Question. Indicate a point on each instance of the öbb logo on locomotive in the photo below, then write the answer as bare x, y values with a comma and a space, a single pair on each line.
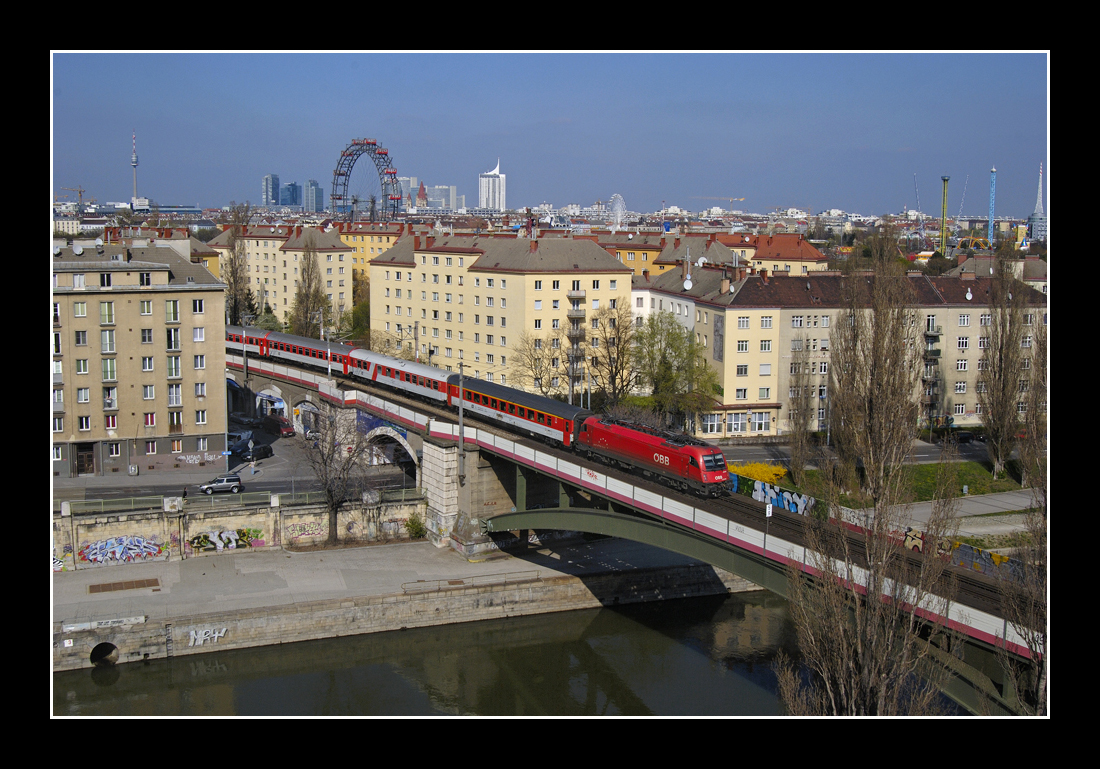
677, 459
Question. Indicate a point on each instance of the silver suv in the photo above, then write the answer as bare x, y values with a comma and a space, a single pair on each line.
223, 483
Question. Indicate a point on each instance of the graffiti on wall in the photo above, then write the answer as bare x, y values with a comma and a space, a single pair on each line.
199, 637
123, 550
309, 529
788, 500
229, 539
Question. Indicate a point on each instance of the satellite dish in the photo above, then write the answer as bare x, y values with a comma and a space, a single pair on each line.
57, 250
78, 250
969, 295
630, 236
688, 284
701, 262
99, 241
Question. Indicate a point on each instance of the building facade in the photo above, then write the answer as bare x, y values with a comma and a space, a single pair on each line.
138, 362
491, 190
269, 191
490, 302
313, 197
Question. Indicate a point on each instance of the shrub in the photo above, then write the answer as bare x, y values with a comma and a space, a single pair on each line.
760, 471
415, 526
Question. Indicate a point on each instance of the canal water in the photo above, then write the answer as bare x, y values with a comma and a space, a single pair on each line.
690, 657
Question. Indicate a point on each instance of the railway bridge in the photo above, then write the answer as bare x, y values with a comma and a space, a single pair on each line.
489, 485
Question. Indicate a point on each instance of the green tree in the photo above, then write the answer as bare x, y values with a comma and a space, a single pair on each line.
672, 364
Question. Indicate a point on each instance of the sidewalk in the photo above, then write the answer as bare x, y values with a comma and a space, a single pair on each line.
974, 513
243, 579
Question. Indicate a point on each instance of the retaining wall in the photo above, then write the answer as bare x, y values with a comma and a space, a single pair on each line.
137, 639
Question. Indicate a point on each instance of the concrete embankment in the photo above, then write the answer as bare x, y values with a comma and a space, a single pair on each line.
240, 600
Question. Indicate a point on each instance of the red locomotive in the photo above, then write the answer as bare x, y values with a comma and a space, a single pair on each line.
678, 459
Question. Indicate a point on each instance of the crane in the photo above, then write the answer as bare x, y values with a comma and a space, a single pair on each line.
80, 195
704, 197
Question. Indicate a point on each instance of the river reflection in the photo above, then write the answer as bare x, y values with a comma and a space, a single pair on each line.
702, 656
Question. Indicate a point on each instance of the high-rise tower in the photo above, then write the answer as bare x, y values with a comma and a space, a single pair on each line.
491, 189
269, 191
134, 163
1037, 222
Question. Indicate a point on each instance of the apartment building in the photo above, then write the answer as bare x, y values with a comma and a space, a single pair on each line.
758, 328
367, 240
274, 255
471, 299
138, 362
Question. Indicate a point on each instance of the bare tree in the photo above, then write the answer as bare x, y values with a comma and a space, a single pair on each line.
310, 297
613, 354
1000, 365
337, 459
235, 271
865, 650
802, 407
1024, 593
874, 371
535, 363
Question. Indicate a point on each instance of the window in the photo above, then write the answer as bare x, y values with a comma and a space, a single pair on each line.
766, 321
960, 409
538, 285
198, 334
200, 417
742, 393
150, 448
109, 370
114, 449
150, 419
80, 309
742, 322
78, 280
83, 394
712, 423
960, 365
765, 345
106, 313
148, 392
595, 285
84, 423
960, 387
538, 304
200, 361
173, 366
59, 424
742, 345
983, 342
743, 369
145, 278
104, 280
735, 423
175, 395
173, 339
964, 320
964, 342
82, 366
986, 319
761, 421
147, 336
765, 393
172, 311
146, 306
200, 389
796, 321
80, 339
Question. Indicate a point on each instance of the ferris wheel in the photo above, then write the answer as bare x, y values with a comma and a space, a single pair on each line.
372, 186
618, 211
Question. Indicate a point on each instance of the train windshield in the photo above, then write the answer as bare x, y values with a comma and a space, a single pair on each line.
713, 462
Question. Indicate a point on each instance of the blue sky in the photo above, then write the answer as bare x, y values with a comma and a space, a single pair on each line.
814, 131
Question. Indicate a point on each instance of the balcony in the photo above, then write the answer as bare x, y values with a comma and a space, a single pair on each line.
574, 314
575, 332
933, 330
932, 354
576, 293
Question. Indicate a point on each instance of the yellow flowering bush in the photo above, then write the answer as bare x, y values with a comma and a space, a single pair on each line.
759, 471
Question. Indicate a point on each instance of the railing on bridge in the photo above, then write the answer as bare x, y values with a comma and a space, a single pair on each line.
221, 501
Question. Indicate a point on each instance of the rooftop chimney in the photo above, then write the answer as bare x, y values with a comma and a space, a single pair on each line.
534, 245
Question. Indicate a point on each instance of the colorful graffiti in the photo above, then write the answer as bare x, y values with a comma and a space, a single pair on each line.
123, 549
310, 529
228, 539
788, 500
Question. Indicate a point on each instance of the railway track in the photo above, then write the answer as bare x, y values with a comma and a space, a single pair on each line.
960, 584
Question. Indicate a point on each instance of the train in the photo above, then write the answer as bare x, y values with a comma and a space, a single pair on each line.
679, 460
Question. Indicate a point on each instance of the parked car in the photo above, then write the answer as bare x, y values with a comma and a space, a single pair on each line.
312, 435
278, 426
260, 451
964, 437
230, 482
